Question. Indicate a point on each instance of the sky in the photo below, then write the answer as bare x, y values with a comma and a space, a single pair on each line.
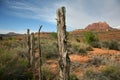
19, 15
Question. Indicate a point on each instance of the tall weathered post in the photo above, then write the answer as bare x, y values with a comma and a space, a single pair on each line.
28, 46
32, 55
39, 48
64, 60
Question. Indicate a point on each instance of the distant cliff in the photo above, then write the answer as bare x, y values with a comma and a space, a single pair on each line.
99, 26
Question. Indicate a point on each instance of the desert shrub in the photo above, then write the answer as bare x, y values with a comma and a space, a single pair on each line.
28, 75
105, 44
89, 75
1, 38
49, 51
107, 73
96, 61
93, 75
113, 44
89, 48
51, 55
78, 40
89, 37
12, 66
80, 48
73, 77
73, 48
83, 48
82, 51
111, 72
54, 35
10, 38
119, 45
95, 44
48, 75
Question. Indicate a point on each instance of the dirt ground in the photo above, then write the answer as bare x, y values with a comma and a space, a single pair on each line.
79, 59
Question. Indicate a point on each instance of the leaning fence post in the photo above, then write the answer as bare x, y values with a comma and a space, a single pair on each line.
39, 48
64, 60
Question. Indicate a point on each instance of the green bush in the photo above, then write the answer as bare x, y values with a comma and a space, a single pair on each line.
73, 77
89, 37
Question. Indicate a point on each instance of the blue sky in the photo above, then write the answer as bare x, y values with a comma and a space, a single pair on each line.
18, 15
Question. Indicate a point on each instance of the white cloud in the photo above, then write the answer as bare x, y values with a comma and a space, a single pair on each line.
80, 13
5, 31
118, 27
29, 10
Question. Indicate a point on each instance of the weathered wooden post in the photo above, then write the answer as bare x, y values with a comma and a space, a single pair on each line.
39, 48
32, 55
64, 60
28, 46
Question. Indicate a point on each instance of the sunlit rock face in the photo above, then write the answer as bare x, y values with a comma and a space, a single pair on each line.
98, 26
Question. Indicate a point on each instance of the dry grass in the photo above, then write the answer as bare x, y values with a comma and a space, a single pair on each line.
13, 59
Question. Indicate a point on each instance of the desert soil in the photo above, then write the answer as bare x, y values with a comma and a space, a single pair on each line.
52, 65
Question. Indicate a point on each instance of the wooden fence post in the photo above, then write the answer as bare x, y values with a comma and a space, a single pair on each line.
64, 60
39, 48
33, 55
28, 46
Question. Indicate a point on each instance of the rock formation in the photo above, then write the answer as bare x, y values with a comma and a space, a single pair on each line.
99, 26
